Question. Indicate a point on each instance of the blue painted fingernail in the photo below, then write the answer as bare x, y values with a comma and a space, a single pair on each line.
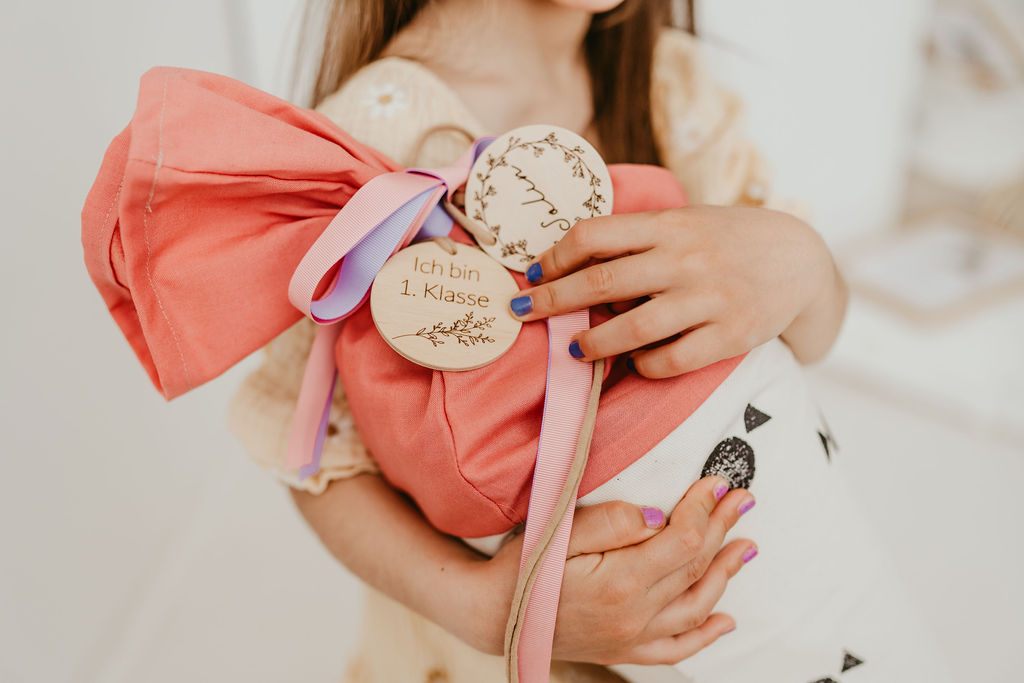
575, 351
631, 364
534, 273
521, 305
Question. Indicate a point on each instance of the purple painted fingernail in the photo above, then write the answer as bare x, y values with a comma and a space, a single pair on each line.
750, 554
574, 349
746, 505
534, 273
653, 517
728, 630
721, 490
521, 305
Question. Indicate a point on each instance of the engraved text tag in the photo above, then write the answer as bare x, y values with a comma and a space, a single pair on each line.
445, 311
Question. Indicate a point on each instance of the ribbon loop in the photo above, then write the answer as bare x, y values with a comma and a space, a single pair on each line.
379, 219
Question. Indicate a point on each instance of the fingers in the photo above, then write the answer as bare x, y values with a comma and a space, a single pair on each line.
694, 605
676, 648
651, 322
725, 515
684, 537
608, 526
603, 237
694, 350
659, 591
620, 279
617, 307
686, 625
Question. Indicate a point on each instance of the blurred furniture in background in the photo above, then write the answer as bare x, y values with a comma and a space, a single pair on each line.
938, 314
968, 150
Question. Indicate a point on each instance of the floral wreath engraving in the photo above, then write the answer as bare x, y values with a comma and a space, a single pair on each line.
570, 155
467, 331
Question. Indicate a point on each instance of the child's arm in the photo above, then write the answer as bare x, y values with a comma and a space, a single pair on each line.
380, 537
813, 332
726, 278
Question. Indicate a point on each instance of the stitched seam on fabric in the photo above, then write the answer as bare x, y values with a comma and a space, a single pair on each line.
145, 232
240, 174
444, 410
117, 195
106, 217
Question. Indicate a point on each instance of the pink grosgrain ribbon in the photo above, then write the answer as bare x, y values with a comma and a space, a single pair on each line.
381, 218
565, 405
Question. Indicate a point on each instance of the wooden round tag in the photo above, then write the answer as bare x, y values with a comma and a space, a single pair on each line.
445, 311
531, 185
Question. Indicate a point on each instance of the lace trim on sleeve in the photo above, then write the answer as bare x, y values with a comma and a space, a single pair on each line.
260, 416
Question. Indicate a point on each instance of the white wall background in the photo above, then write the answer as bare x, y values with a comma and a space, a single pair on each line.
139, 544
831, 89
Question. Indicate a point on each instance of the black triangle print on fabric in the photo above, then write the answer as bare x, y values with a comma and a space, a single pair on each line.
828, 442
733, 459
754, 418
850, 661
825, 444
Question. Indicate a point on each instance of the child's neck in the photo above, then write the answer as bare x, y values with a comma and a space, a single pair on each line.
513, 62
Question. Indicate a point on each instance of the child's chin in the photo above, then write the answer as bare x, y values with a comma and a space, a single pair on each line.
595, 6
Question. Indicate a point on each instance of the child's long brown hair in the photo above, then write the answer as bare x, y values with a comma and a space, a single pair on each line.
619, 48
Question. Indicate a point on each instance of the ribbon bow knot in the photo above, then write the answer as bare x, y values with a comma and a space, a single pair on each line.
382, 217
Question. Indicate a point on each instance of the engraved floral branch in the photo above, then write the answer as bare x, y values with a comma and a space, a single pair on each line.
570, 155
467, 331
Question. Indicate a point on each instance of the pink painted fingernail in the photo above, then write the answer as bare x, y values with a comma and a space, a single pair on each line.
721, 490
750, 554
747, 504
729, 630
653, 517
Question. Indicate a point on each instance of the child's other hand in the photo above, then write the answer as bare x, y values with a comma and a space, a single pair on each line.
725, 279
635, 590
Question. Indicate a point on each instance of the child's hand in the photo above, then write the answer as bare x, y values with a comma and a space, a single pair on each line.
726, 278
634, 590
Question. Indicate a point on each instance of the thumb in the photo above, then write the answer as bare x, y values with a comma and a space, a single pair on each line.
612, 525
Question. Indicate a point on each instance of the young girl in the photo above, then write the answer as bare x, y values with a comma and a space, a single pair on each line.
821, 605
